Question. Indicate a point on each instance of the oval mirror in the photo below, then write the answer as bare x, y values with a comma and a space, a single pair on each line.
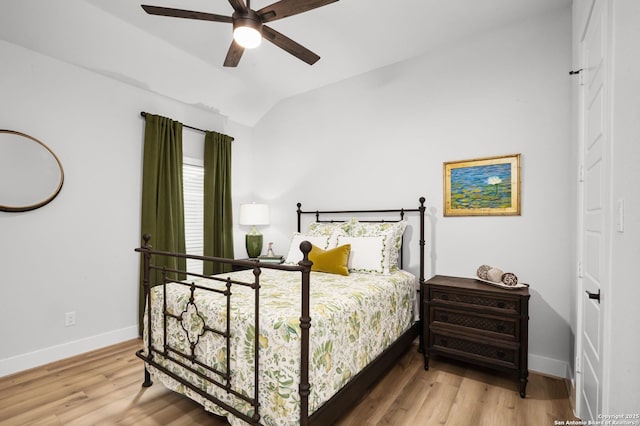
30, 173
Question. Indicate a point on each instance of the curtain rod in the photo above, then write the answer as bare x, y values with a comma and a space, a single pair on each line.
144, 114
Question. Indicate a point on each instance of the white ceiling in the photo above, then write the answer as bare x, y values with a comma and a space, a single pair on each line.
182, 58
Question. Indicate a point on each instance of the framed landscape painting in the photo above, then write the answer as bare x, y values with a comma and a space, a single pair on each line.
482, 187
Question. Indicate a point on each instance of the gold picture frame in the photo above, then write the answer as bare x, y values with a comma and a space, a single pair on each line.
482, 187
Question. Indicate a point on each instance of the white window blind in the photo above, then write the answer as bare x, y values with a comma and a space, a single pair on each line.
193, 183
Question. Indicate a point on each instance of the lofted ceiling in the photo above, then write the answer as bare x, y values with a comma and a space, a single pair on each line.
182, 58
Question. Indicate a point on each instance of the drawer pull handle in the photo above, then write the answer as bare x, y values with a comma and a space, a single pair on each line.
445, 297
501, 305
500, 327
500, 354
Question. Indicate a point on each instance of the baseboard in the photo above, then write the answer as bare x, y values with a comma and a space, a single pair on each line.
55, 353
549, 366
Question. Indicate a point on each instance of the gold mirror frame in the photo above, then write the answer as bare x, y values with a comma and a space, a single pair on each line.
7, 208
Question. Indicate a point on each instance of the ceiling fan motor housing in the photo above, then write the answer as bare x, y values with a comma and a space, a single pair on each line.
248, 18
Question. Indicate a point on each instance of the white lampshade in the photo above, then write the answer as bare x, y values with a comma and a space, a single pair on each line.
254, 214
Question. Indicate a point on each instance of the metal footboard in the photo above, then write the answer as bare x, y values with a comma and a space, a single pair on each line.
195, 327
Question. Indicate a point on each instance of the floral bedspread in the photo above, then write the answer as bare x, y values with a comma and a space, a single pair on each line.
353, 319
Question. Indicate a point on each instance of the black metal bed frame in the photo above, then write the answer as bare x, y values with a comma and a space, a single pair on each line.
330, 411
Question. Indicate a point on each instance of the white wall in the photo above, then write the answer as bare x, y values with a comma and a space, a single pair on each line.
76, 253
379, 140
372, 141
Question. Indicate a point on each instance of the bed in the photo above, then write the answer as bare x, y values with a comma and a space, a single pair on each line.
292, 343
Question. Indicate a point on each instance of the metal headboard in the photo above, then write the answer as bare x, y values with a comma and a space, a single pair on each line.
401, 212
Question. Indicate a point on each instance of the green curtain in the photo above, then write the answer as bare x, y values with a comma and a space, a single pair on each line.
162, 199
218, 212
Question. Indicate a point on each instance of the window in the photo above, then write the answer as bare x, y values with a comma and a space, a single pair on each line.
193, 181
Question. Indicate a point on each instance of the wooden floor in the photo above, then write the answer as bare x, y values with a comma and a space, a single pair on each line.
103, 388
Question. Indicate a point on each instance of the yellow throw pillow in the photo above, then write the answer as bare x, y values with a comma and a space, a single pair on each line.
333, 261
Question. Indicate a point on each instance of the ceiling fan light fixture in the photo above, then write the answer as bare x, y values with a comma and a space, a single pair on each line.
247, 29
247, 37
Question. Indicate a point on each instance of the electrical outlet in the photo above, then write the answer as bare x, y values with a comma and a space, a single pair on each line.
70, 318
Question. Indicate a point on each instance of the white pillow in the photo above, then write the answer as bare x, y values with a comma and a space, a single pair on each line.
367, 254
333, 229
392, 233
295, 255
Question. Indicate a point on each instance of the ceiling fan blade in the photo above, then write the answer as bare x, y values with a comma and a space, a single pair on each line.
233, 55
188, 14
285, 8
289, 45
238, 5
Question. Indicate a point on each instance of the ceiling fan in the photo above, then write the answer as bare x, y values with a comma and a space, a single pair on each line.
249, 28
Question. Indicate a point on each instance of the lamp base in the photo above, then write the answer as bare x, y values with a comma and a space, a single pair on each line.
253, 243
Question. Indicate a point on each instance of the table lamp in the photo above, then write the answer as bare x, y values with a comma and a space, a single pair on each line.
254, 215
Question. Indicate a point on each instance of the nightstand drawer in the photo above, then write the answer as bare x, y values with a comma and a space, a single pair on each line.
487, 352
506, 305
494, 326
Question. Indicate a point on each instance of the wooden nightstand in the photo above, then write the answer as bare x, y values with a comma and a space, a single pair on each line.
235, 268
475, 322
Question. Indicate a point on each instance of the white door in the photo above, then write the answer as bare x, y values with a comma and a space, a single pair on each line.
595, 232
